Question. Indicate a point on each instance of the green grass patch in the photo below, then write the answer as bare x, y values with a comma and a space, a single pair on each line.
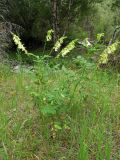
59, 113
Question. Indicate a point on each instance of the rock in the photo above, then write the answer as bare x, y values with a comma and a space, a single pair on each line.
24, 68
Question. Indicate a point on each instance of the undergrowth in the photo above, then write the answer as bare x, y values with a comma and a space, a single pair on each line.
59, 113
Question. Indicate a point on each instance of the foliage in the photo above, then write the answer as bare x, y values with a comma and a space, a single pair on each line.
36, 16
100, 36
52, 109
33, 16
80, 61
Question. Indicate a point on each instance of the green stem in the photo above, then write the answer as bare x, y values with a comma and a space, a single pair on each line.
44, 47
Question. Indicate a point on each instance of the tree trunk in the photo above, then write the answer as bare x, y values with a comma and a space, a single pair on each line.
116, 31
55, 19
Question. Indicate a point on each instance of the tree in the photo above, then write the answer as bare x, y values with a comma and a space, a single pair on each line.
65, 12
37, 16
116, 3
55, 19
32, 15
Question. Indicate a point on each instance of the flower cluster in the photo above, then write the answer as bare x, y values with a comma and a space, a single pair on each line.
68, 48
109, 50
59, 43
19, 44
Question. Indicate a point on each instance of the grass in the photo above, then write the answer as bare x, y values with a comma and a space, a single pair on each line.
64, 113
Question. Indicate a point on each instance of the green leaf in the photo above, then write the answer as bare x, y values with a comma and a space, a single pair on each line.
48, 110
58, 127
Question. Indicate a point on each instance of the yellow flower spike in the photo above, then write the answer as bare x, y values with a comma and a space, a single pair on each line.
19, 44
49, 35
109, 50
59, 43
68, 48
